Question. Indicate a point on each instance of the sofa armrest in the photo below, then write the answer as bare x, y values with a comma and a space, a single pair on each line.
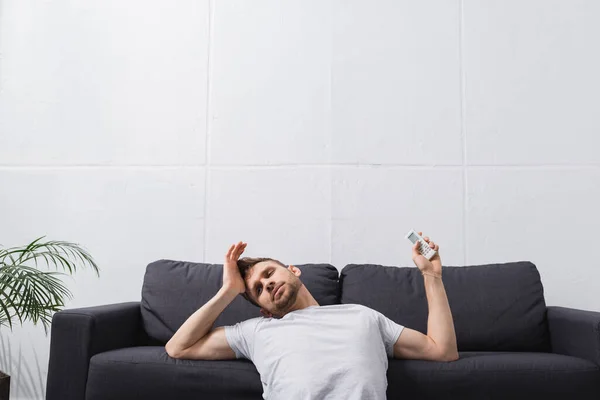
575, 332
78, 334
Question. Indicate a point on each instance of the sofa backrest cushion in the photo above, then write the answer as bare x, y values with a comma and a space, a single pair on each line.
173, 290
496, 307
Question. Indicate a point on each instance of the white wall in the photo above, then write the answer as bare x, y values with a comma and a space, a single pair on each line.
315, 130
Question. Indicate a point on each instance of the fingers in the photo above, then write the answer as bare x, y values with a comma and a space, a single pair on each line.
235, 251
230, 251
430, 242
240, 250
415, 249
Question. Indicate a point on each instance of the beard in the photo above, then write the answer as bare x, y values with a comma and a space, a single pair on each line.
288, 297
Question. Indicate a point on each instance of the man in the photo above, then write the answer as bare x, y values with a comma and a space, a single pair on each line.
306, 351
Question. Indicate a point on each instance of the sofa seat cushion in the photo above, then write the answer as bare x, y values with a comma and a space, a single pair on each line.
495, 375
149, 373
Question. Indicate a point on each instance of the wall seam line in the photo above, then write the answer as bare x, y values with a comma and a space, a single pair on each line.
463, 131
207, 141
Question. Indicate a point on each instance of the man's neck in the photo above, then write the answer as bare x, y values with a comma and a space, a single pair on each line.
304, 300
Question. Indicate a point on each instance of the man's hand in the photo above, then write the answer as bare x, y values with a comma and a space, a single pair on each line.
232, 280
435, 264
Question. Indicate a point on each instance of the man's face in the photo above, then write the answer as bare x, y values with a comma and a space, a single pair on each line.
273, 287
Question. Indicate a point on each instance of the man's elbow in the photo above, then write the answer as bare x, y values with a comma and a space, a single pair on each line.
449, 356
173, 351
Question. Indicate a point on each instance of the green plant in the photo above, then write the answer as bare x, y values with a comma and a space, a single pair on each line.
29, 293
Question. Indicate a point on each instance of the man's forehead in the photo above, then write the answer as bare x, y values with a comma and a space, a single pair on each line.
258, 268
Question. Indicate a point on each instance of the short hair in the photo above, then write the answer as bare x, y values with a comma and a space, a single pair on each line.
244, 264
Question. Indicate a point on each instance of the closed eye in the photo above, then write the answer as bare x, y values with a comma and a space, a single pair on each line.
259, 290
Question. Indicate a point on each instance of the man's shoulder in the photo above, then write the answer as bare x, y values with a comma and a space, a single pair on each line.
250, 322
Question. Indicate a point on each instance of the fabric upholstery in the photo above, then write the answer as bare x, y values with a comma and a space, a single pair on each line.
105, 352
498, 307
575, 332
80, 333
173, 290
148, 373
495, 375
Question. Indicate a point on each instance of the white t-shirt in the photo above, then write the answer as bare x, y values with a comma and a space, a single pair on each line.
320, 352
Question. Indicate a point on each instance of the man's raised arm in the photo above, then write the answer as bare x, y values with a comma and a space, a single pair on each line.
440, 342
194, 339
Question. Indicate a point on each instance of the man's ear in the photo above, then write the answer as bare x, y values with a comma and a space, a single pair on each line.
295, 270
265, 313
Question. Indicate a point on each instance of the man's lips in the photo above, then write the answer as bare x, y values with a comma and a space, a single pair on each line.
276, 289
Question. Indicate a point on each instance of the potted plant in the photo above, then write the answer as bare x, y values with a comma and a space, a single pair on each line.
28, 293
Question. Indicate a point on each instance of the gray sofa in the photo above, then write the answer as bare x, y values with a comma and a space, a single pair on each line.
511, 345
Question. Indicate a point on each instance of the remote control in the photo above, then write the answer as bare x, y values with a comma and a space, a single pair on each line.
424, 248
